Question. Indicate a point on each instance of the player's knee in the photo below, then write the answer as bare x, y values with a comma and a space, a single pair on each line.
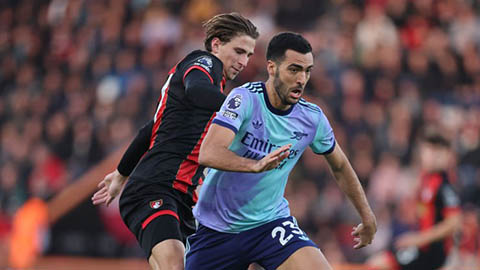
168, 254
166, 263
153, 263
171, 265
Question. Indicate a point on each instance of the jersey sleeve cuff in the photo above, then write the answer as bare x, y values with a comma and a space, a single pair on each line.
225, 124
123, 171
449, 211
329, 150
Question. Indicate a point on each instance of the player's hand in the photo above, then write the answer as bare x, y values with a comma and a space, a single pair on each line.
410, 239
272, 160
363, 234
110, 187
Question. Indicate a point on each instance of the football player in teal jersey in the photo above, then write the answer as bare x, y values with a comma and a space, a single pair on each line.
254, 142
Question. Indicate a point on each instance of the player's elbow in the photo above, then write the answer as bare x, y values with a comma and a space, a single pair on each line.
340, 167
450, 225
202, 160
205, 156
456, 222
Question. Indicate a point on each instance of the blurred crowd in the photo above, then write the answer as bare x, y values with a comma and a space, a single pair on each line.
79, 77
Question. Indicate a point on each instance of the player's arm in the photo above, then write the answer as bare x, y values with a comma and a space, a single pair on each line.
350, 185
201, 91
445, 228
214, 153
136, 150
441, 230
113, 182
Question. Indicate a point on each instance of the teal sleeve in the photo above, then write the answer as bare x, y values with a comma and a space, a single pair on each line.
324, 141
234, 109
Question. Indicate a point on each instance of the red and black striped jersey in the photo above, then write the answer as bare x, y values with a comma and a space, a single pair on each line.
180, 124
437, 200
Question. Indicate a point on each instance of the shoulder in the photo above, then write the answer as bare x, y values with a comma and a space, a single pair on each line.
244, 94
202, 59
313, 113
309, 107
248, 89
253, 87
449, 195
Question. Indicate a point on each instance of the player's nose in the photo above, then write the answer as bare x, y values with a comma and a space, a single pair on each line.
243, 61
302, 78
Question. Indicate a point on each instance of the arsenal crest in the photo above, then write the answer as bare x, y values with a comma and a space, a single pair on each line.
156, 204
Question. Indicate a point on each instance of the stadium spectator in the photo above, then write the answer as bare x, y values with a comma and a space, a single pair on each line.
427, 240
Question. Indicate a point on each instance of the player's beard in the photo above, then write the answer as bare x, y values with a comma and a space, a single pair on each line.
281, 89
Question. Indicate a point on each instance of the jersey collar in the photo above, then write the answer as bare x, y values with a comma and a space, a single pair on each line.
270, 106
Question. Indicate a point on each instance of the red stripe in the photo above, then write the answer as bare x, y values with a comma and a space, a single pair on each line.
159, 213
449, 211
431, 183
190, 165
222, 84
199, 68
159, 115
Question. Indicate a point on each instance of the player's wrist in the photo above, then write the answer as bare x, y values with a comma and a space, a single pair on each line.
119, 177
255, 166
368, 218
370, 223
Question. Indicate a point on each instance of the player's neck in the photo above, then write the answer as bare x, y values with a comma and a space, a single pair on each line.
274, 97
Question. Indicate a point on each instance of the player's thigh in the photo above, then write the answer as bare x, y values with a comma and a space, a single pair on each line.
161, 229
270, 245
306, 258
168, 254
208, 249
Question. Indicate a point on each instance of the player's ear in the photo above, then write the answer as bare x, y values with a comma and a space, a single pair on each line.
271, 68
216, 42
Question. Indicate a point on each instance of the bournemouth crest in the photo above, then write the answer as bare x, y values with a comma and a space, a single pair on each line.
156, 204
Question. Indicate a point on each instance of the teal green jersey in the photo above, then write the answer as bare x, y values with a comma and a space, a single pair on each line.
235, 202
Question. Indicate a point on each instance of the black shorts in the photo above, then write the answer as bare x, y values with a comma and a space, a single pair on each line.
425, 259
154, 217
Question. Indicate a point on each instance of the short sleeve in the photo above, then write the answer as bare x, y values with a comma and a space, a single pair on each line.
234, 109
449, 198
324, 141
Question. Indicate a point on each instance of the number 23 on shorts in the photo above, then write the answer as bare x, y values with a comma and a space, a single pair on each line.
287, 231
